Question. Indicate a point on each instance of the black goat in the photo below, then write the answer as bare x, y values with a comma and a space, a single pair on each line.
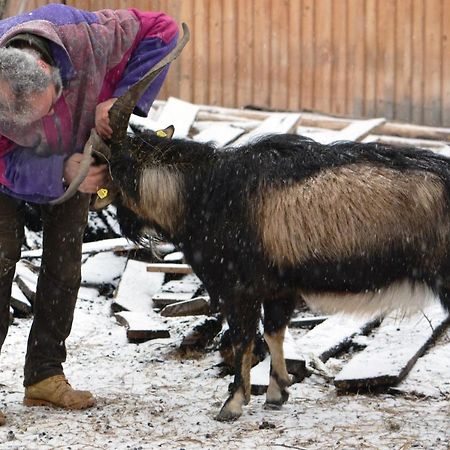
346, 226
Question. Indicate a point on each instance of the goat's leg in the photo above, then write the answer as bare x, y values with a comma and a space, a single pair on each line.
277, 313
243, 323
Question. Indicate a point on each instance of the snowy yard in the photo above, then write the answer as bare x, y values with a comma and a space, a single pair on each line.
150, 395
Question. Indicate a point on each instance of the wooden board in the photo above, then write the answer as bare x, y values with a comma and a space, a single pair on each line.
26, 279
141, 327
394, 350
193, 307
306, 322
102, 268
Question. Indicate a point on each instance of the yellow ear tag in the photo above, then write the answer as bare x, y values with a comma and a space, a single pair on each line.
161, 133
102, 193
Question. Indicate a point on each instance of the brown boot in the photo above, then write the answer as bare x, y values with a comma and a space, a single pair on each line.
2, 419
56, 391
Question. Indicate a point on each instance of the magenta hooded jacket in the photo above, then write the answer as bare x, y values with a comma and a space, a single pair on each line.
99, 54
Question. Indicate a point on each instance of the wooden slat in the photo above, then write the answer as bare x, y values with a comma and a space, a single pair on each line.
229, 45
192, 307
371, 52
307, 54
215, 60
339, 63
396, 346
418, 80
403, 61
141, 328
244, 69
433, 62
169, 268
295, 56
322, 45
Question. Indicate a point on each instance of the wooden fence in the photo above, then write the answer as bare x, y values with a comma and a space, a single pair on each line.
357, 58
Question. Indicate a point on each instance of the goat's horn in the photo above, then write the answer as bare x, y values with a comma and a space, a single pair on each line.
120, 112
82, 173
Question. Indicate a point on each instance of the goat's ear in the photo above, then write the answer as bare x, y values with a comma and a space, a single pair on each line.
166, 132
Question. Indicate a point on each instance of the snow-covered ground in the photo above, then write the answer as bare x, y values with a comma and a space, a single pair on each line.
152, 396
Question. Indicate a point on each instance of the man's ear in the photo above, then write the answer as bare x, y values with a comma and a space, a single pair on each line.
166, 132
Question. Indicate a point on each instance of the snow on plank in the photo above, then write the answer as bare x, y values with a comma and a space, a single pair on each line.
180, 114
136, 288
322, 342
356, 131
306, 322
219, 134
397, 345
276, 123
176, 291
102, 268
26, 279
105, 245
19, 302
434, 366
140, 327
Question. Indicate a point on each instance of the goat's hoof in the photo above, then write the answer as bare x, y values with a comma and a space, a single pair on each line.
277, 403
273, 406
226, 415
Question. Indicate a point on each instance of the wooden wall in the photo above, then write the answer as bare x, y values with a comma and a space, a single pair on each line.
358, 58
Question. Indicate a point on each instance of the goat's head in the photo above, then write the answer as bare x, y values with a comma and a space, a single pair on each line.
119, 115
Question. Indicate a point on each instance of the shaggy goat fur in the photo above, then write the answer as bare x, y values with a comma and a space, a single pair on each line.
345, 226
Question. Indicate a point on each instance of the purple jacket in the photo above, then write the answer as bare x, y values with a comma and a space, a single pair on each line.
100, 54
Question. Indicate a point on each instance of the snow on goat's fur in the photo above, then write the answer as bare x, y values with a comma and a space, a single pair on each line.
345, 226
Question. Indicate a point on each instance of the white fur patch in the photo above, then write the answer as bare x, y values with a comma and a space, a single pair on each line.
403, 296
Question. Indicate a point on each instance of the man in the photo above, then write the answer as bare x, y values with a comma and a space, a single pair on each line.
60, 71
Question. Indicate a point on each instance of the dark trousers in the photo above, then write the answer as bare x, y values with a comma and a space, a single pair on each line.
58, 282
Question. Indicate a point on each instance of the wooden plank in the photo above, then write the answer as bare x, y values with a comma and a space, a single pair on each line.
372, 54
323, 341
306, 322
141, 328
219, 134
215, 59
433, 62
194, 307
397, 345
339, 54
136, 288
356, 58
276, 123
308, 54
358, 130
229, 43
418, 80
169, 268
180, 114
403, 61
162, 299
294, 55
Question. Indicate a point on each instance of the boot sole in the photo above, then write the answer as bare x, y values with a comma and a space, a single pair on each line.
40, 402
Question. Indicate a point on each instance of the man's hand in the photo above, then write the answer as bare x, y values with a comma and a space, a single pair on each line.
96, 178
102, 119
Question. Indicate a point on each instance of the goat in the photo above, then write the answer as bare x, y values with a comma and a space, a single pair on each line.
345, 226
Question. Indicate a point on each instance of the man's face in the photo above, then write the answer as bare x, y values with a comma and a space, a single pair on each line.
42, 103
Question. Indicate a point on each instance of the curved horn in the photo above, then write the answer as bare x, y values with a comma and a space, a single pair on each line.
82, 173
120, 112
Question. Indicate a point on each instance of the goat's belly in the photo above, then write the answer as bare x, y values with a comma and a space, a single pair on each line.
403, 296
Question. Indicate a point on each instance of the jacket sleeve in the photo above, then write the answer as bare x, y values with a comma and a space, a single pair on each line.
27, 176
159, 38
